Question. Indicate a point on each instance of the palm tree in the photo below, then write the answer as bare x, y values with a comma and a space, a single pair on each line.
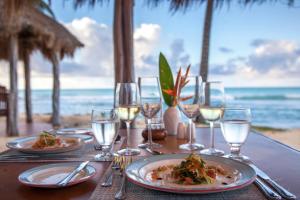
176, 5
183, 5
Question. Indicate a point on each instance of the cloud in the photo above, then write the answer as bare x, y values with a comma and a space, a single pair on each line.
273, 58
93, 64
178, 57
96, 57
146, 37
225, 50
275, 55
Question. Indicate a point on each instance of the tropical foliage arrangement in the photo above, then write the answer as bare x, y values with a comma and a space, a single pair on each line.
170, 90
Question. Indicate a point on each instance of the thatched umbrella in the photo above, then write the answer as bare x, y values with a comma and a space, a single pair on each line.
24, 29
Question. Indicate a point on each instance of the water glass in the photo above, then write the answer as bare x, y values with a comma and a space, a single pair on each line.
105, 125
235, 125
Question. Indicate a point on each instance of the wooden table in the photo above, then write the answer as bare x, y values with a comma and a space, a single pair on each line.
281, 162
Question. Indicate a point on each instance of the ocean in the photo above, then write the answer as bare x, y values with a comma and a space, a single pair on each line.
272, 107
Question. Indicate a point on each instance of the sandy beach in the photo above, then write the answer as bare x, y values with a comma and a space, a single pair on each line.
290, 137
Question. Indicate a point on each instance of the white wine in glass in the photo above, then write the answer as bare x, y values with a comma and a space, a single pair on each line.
128, 113
150, 104
188, 102
127, 103
212, 102
211, 114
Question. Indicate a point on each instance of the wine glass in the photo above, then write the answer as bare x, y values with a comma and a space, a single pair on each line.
235, 125
127, 103
212, 103
188, 103
150, 104
105, 125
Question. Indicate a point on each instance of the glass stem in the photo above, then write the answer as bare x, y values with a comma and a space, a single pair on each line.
190, 131
128, 135
212, 135
235, 150
149, 133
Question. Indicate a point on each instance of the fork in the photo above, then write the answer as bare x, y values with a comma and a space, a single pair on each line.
115, 165
121, 193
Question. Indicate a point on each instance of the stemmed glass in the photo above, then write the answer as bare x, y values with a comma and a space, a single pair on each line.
235, 125
127, 103
150, 104
212, 102
188, 103
105, 125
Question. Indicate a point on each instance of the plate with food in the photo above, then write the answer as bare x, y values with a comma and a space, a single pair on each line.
190, 173
46, 143
47, 176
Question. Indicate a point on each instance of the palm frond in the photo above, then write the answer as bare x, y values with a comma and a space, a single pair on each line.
43, 7
176, 5
184, 5
91, 3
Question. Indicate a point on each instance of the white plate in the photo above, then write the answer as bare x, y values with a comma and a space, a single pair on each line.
84, 137
241, 175
47, 176
25, 145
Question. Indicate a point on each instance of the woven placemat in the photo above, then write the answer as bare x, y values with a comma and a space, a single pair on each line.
135, 192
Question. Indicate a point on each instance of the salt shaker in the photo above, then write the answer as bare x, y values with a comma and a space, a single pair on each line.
181, 130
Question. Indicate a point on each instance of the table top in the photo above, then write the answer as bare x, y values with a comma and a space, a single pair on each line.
280, 162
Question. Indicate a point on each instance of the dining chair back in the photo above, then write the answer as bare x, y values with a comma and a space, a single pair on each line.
4, 103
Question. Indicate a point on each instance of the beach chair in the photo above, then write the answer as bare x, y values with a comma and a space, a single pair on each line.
4, 104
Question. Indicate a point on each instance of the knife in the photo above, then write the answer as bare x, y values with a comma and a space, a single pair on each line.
67, 179
153, 152
282, 191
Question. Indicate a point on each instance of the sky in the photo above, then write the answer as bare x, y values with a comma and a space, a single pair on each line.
254, 46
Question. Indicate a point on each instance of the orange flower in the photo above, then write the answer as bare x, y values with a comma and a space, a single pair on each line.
181, 81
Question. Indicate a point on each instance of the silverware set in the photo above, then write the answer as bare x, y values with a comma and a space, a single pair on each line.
121, 193
68, 178
279, 192
108, 177
119, 163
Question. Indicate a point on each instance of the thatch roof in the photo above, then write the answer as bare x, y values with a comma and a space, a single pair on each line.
35, 30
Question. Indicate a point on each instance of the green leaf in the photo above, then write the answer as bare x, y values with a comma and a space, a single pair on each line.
165, 78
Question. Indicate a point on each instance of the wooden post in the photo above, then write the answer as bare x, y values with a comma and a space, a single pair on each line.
127, 27
204, 69
27, 69
13, 93
118, 42
123, 41
206, 40
56, 91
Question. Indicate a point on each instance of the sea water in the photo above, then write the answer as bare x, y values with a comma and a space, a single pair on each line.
274, 107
